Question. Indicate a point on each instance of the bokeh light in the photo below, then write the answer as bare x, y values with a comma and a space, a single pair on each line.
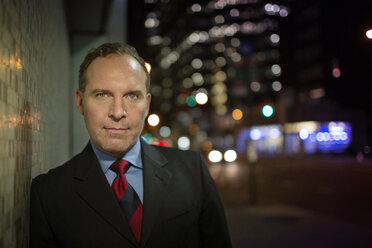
151, 23
196, 63
220, 61
194, 129
369, 34
235, 42
187, 83
201, 98
165, 131
267, 111
237, 114
304, 134
197, 78
153, 120
336, 72
234, 12
276, 85
215, 156
196, 7
148, 67
274, 38
230, 156
190, 101
275, 133
255, 86
220, 76
220, 47
183, 143
219, 19
221, 109
276, 69
255, 134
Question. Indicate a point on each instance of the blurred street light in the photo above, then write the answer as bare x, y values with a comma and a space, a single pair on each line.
237, 114
153, 120
267, 111
215, 156
230, 156
369, 34
304, 134
274, 38
196, 7
190, 101
148, 67
255, 86
276, 70
183, 143
277, 86
201, 98
165, 131
151, 23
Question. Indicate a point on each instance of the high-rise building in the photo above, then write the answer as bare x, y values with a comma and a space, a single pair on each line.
225, 50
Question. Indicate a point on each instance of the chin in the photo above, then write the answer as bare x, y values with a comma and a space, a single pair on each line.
115, 152
117, 148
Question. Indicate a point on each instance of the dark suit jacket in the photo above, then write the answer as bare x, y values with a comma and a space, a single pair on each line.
74, 206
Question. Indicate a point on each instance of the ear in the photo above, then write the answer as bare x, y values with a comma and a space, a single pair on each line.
148, 103
79, 101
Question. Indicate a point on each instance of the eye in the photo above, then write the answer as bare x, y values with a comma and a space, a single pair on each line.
101, 94
132, 96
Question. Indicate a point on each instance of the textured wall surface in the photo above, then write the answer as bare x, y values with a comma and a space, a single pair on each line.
34, 105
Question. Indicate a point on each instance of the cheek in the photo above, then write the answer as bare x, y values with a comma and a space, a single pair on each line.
138, 112
93, 116
142, 113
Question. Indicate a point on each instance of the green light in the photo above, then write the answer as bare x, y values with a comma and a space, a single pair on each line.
267, 111
148, 137
190, 101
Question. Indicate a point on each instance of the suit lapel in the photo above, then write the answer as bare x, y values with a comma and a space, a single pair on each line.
155, 179
93, 188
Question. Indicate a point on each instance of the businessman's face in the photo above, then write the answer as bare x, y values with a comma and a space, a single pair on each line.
115, 103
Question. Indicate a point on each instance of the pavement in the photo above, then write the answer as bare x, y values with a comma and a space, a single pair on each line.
262, 222
278, 225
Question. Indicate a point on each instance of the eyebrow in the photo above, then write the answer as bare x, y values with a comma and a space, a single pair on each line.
95, 91
135, 92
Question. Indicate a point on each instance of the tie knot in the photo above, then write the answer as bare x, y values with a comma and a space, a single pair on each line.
120, 166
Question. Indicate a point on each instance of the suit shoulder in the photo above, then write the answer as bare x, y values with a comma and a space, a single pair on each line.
171, 151
177, 157
58, 173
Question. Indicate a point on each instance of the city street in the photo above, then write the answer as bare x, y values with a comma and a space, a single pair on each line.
318, 202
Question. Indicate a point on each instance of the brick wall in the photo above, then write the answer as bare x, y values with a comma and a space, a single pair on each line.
35, 99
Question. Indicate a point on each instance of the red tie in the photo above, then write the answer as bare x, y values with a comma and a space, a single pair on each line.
127, 197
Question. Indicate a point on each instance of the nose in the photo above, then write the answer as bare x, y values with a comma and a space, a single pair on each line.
117, 110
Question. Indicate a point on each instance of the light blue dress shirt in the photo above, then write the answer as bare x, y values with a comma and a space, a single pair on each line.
134, 174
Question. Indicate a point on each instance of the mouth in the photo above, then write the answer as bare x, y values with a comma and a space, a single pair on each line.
116, 129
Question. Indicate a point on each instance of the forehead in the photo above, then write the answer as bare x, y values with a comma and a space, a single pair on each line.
124, 61
114, 66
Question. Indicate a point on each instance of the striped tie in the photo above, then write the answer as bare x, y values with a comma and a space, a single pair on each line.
127, 197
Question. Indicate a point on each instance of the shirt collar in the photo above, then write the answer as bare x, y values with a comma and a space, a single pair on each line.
133, 156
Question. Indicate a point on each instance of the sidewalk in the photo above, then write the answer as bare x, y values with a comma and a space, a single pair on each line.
268, 226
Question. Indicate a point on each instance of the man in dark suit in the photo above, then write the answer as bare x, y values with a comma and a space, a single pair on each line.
120, 191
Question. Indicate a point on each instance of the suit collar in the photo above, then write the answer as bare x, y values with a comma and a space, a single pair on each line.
153, 155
